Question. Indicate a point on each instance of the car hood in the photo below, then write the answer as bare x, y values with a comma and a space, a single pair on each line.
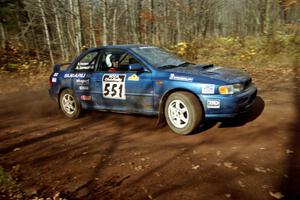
226, 74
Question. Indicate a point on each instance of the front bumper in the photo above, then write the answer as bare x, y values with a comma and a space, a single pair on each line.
230, 105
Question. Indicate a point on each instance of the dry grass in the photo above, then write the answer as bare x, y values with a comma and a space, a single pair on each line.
280, 50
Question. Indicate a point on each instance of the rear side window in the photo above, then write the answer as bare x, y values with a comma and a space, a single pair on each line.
88, 62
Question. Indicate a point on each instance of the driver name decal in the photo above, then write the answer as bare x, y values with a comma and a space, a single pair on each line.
113, 86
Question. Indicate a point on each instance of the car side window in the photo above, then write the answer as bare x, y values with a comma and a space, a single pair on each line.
127, 60
88, 62
118, 59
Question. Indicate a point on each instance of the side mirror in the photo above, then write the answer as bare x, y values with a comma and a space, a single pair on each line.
56, 68
136, 67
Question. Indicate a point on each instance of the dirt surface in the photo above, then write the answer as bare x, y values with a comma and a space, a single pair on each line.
118, 156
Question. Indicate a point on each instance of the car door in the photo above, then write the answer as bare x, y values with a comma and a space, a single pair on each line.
106, 87
122, 90
139, 85
81, 77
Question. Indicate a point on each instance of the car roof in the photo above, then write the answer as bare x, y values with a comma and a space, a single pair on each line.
122, 46
126, 46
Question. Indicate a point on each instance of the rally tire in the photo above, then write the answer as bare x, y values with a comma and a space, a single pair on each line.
183, 112
69, 104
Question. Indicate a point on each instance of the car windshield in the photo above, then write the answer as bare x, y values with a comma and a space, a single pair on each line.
158, 57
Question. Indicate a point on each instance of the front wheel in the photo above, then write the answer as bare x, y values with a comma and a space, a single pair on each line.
69, 105
183, 112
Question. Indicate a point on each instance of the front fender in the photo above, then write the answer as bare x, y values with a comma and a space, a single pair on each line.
164, 90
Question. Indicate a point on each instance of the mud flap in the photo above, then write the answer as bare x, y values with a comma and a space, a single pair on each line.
161, 121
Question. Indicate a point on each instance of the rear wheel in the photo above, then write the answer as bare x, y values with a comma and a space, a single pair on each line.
183, 112
69, 105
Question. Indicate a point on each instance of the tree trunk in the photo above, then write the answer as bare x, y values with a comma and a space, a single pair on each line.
59, 32
36, 49
206, 21
92, 41
165, 24
46, 31
114, 27
178, 38
152, 28
80, 24
71, 29
2, 35
33, 36
20, 29
133, 23
78, 35
205, 28
104, 23
127, 16
267, 18
140, 25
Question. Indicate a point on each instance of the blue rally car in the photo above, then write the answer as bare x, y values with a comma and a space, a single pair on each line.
149, 80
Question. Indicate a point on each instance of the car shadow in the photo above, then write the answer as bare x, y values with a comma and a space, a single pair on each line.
242, 119
204, 127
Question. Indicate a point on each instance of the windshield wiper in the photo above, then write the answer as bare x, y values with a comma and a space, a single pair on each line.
168, 66
185, 63
173, 66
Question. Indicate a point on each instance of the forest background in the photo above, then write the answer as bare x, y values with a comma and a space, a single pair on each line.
229, 32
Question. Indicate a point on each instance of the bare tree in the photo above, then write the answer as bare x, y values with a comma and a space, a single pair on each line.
91, 25
104, 22
78, 28
2, 34
178, 27
46, 30
69, 24
59, 31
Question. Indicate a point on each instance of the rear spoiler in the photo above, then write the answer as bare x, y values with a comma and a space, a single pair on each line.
56, 67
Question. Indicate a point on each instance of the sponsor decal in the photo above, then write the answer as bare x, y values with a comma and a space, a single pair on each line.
53, 80
159, 82
180, 78
82, 81
79, 75
113, 86
85, 98
213, 103
114, 77
207, 88
84, 87
55, 74
133, 77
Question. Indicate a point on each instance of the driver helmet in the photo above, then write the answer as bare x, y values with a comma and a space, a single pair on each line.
110, 59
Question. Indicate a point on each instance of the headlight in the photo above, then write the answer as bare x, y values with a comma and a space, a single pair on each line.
231, 89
